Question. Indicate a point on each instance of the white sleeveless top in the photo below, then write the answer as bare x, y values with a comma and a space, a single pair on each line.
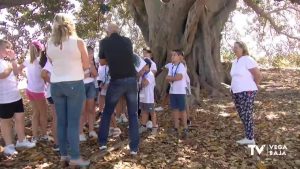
67, 63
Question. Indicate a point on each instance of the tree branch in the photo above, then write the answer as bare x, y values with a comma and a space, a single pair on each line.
10, 3
138, 10
191, 26
265, 15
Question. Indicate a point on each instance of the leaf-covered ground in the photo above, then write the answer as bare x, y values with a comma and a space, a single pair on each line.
211, 144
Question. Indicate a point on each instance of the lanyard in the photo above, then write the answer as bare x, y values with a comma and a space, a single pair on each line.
105, 74
174, 73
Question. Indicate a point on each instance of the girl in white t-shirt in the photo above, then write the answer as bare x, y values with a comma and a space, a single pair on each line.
46, 74
245, 79
35, 91
11, 104
177, 82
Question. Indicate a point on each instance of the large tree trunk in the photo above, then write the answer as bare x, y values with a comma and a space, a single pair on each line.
191, 25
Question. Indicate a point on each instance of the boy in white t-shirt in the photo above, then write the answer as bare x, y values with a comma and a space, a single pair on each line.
11, 104
147, 84
148, 55
178, 86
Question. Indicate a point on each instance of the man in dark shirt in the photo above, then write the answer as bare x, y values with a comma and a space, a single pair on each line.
116, 52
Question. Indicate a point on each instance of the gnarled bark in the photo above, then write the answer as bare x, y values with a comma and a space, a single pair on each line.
191, 25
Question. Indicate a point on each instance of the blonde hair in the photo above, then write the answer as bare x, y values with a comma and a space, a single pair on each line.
3, 43
243, 46
63, 27
34, 53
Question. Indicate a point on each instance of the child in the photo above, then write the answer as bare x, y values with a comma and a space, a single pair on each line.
147, 84
177, 92
188, 93
45, 74
148, 55
105, 78
11, 104
35, 91
90, 91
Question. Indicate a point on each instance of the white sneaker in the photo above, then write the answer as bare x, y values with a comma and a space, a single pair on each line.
10, 150
116, 132
246, 141
102, 148
124, 118
82, 138
142, 129
159, 109
25, 144
134, 153
93, 134
149, 125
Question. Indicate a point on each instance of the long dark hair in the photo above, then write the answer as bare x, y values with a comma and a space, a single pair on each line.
43, 59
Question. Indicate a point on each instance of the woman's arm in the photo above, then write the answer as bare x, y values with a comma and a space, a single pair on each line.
256, 74
84, 54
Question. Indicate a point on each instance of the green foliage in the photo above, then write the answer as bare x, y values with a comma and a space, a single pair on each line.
38, 15
282, 61
227, 56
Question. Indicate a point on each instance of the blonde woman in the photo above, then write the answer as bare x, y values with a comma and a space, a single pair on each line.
245, 79
70, 61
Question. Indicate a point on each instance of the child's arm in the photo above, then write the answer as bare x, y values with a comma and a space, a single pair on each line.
176, 78
45, 76
6, 73
94, 72
145, 82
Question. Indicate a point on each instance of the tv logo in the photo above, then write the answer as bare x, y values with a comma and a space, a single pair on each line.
272, 150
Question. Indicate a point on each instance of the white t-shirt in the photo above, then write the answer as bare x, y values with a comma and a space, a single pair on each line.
9, 92
147, 93
33, 72
242, 79
104, 77
153, 66
99, 72
178, 87
48, 67
169, 66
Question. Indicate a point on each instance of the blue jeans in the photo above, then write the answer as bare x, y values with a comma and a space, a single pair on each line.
68, 99
116, 89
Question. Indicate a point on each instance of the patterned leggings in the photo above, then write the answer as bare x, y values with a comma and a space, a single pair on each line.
244, 103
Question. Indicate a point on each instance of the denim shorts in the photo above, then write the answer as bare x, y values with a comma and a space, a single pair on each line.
147, 107
90, 90
177, 102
